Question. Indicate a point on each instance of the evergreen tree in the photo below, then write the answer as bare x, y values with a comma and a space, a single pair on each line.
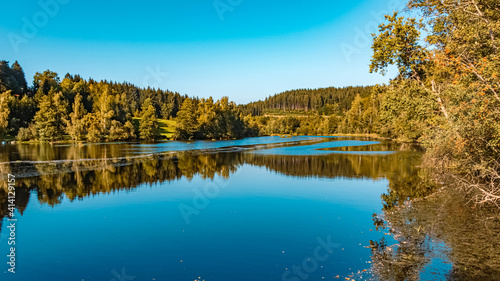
50, 120
354, 116
187, 123
27, 134
148, 126
44, 82
206, 114
166, 110
22, 112
12, 78
18, 73
306, 100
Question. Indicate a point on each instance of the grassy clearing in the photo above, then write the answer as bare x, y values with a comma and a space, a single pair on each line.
167, 127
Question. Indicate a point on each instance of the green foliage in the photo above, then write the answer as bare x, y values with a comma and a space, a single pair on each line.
44, 82
407, 111
93, 128
208, 120
96, 111
167, 128
148, 125
104, 101
121, 132
447, 92
103, 110
187, 123
26, 134
354, 116
22, 111
361, 117
4, 112
51, 119
398, 43
167, 111
12, 78
325, 100
76, 124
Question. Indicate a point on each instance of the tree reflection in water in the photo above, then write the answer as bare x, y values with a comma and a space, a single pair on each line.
417, 217
435, 224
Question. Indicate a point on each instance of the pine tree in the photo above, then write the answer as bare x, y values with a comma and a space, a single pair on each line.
44, 82
354, 115
148, 126
22, 112
166, 110
18, 73
51, 118
187, 123
12, 78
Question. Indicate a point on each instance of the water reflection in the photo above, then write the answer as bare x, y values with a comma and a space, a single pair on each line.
424, 225
80, 178
443, 227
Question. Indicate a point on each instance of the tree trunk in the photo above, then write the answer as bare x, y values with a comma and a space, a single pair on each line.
439, 100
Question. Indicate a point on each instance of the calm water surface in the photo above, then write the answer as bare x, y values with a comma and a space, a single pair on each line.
304, 208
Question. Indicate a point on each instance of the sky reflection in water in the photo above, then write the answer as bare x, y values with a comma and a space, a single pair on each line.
218, 216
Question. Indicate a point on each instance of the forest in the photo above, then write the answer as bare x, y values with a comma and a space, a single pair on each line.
323, 100
445, 97
75, 109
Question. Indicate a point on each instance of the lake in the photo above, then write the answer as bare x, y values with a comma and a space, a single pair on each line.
269, 208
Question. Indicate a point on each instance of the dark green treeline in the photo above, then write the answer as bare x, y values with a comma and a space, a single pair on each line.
325, 101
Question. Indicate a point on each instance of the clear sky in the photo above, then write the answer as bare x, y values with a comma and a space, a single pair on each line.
244, 49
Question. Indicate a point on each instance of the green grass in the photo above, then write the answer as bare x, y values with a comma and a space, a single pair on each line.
167, 127
288, 113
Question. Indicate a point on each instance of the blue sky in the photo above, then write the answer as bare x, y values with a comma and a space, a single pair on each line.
244, 49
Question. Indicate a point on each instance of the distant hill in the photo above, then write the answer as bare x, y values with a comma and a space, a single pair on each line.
319, 100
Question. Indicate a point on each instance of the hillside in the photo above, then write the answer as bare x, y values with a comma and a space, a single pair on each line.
322, 100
